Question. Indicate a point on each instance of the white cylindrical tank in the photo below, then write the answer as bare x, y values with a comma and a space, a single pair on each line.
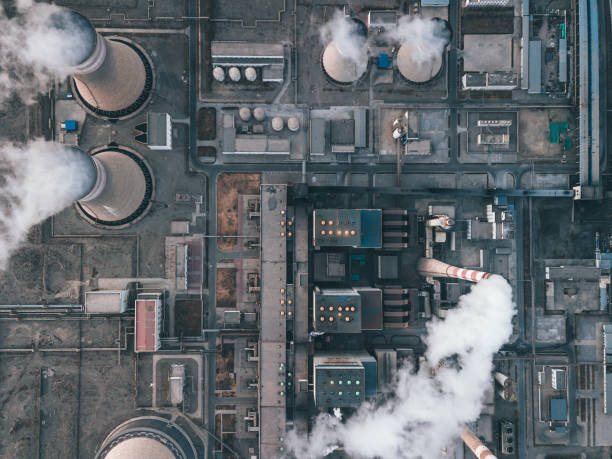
293, 124
277, 123
430, 267
250, 73
259, 113
244, 113
234, 73
219, 74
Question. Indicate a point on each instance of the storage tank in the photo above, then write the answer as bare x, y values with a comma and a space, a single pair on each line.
147, 437
250, 74
112, 77
277, 123
346, 61
259, 113
122, 190
421, 54
219, 74
234, 73
293, 124
244, 113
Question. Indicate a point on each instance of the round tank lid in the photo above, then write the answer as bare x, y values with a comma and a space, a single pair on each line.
293, 124
244, 113
259, 113
75, 36
277, 123
250, 73
234, 73
218, 74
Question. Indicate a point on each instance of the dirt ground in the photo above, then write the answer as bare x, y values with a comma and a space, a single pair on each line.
226, 288
207, 124
188, 317
229, 187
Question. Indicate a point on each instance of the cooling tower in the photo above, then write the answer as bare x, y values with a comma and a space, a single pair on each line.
420, 65
430, 267
122, 190
112, 77
476, 446
147, 437
345, 63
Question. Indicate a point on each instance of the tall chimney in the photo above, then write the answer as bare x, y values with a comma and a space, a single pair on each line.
508, 391
476, 446
430, 267
112, 77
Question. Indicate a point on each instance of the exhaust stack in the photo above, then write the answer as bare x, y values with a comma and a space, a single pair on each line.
112, 77
430, 267
508, 391
476, 446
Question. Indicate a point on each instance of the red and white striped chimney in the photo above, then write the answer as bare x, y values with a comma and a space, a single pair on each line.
479, 449
430, 267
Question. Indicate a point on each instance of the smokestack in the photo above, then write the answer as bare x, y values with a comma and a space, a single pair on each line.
508, 391
121, 188
430, 267
476, 446
112, 77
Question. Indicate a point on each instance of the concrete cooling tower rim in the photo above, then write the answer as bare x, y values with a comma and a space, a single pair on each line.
139, 103
145, 204
149, 437
341, 69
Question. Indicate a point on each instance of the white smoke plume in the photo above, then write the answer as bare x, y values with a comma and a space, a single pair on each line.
346, 37
37, 180
427, 37
426, 412
34, 51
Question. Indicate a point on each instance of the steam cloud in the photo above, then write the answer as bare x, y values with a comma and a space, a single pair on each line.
36, 181
34, 50
424, 413
347, 38
427, 37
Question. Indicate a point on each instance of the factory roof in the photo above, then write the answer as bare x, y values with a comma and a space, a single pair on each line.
239, 53
535, 66
558, 409
147, 325
551, 329
159, 131
347, 227
487, 52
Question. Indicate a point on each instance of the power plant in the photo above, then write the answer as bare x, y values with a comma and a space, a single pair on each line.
246, 229
112, 77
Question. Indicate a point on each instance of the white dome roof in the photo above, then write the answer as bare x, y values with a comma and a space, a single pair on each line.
259, 113
140, 448
234, 73
244, 113
250, 73
277, 123
418, 71
293, 124
342, 68
218, 74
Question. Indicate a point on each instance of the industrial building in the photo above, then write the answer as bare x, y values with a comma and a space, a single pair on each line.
273, 204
